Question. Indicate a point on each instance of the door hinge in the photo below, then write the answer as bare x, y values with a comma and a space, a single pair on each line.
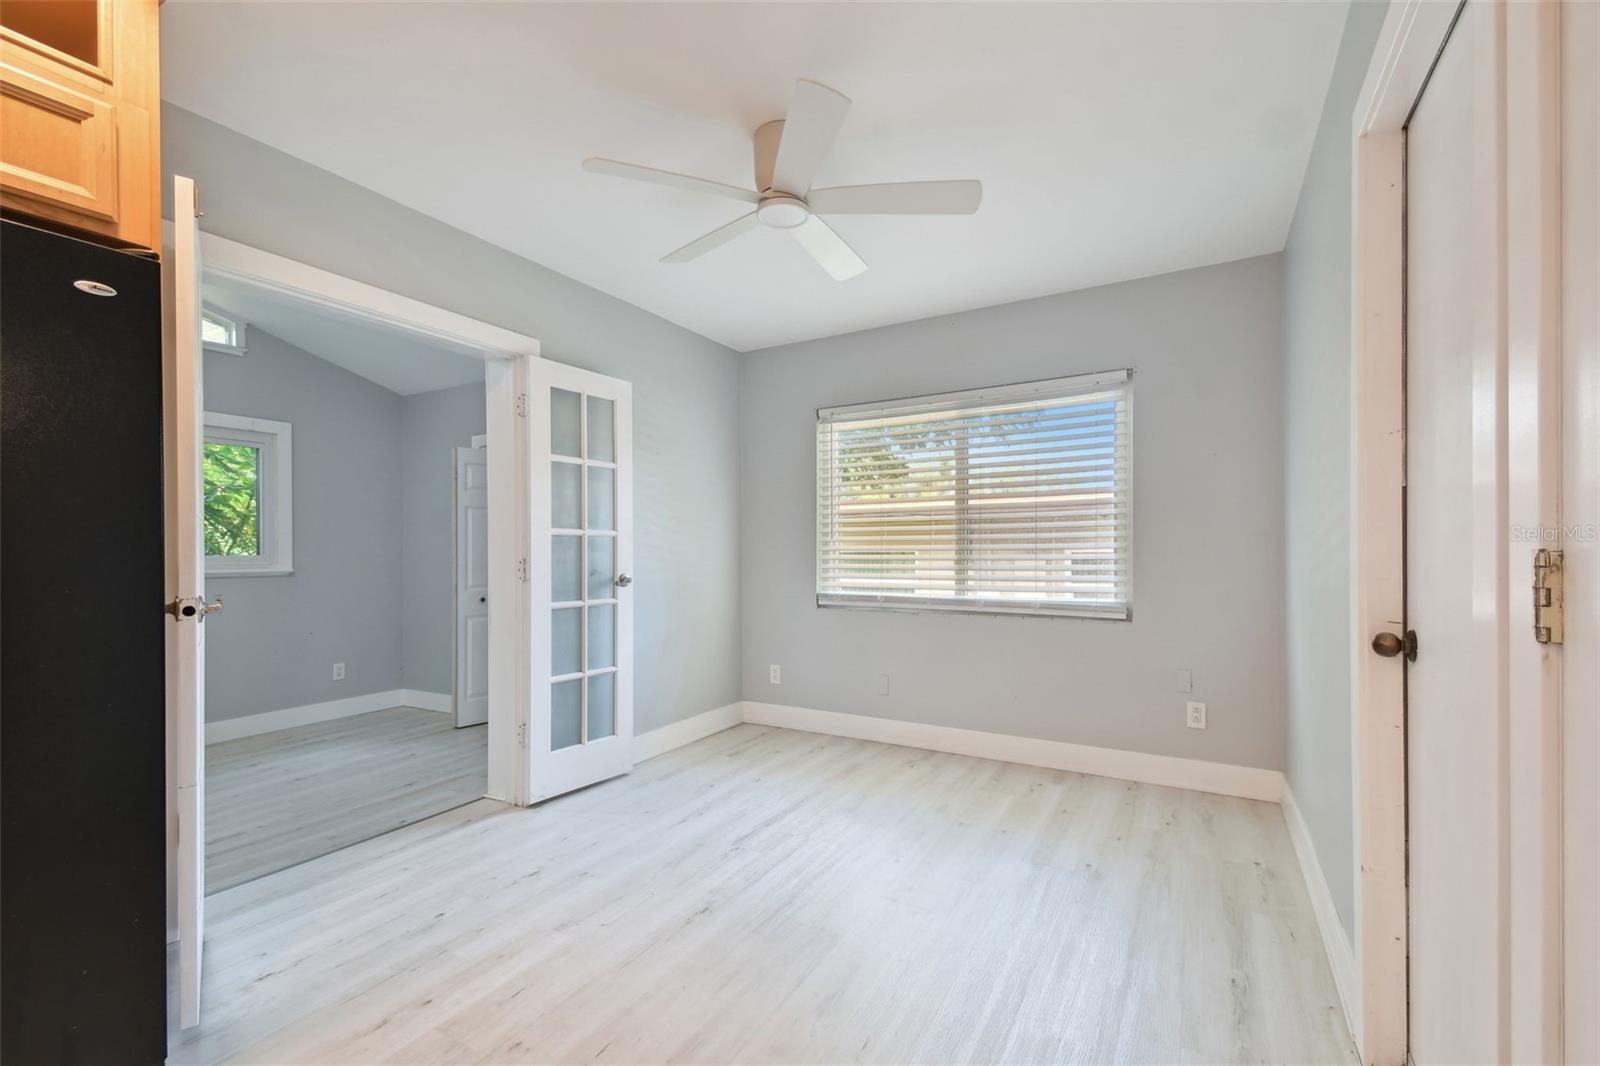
522, 405
1549, 596
522, 569
522, 735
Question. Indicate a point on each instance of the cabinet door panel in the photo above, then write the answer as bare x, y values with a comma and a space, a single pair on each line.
57, 144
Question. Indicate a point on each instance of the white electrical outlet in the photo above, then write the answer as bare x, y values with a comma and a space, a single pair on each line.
883, 684
338, 671
1197, 714
774, 674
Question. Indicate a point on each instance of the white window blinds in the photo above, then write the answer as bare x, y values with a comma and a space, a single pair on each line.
1013, 499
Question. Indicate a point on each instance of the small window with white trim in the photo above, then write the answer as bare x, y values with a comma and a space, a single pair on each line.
219, 333
1014, 500
247, 506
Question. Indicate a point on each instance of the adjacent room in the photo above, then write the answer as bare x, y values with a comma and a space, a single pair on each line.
345, 499
797, 533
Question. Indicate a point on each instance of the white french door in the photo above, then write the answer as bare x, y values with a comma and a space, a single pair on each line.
581, 711
472, 587
186, 605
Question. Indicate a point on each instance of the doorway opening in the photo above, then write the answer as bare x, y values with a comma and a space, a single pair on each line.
256, 496
331, 456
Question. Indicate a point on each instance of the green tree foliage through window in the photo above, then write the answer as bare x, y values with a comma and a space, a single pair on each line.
231, 474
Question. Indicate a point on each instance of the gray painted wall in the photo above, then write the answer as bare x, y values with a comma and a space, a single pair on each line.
1208, 525
434, 425
1316, 445
686, 388
278, 637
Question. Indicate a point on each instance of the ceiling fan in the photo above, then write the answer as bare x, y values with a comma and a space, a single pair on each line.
788, 154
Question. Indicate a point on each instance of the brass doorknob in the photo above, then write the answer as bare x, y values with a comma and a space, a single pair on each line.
1389, 645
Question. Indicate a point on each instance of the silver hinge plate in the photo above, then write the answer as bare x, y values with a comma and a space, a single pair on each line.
522, 735
1549, 599
522, 569
522, 405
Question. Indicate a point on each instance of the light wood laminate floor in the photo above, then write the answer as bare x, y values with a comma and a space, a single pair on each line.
280, 798
774, 896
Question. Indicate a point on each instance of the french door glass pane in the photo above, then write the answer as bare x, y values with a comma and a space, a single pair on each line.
566, 500
566, 641
566, 714
583, 568
602, 636
602, 705
566, 569
602, 509
602, 567
565, 422
602, 443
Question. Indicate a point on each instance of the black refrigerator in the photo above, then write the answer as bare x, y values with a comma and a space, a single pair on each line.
82, 732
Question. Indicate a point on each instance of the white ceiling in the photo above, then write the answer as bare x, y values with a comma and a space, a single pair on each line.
394, 358
1114, 140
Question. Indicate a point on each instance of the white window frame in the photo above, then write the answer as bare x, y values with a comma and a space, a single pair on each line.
1064, 388
235, 329
275, 486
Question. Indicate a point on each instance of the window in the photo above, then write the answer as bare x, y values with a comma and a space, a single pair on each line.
1009, 500
247, 496
219, 333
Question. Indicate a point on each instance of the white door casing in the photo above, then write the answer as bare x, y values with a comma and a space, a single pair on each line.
581, 712
185, 588
1580, 520
471, 683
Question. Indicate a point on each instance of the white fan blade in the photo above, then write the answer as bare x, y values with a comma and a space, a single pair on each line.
899, 198
815, 114
829, 249
715, 239
666, 177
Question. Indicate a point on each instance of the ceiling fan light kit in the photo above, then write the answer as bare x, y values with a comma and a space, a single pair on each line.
788, 154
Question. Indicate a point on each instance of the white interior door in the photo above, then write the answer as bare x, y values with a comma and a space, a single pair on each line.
1454, 695
581, 711
186, 659
1483, 361
472, 587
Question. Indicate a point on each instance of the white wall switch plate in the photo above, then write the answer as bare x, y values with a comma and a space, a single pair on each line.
774, 674
338, 671
1196, 714
1184, 680
883, 684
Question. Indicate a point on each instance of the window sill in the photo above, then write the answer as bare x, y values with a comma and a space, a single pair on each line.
214, 574
1018, 610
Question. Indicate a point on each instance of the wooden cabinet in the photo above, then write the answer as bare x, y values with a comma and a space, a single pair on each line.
80, 116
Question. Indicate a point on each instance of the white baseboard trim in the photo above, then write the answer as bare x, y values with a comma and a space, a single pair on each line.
697, 727
443, 702
1224, 779
271, 721
1341, 956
